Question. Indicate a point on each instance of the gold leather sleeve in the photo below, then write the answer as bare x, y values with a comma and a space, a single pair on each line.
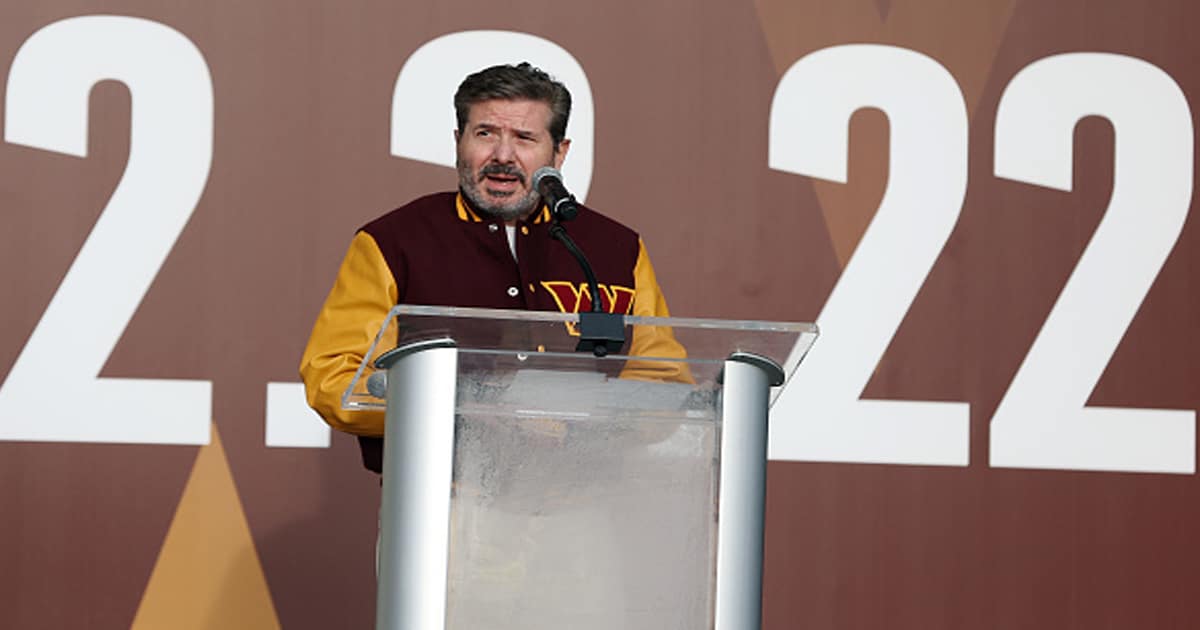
355, 309
653, 341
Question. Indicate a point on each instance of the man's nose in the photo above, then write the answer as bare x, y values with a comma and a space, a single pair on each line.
505, 151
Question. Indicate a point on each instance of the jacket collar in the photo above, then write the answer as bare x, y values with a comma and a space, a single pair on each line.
468, 214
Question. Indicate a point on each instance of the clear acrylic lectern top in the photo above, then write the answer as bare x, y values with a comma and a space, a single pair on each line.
549, 336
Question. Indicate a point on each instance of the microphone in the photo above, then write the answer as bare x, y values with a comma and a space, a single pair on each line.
599, 332
548, 182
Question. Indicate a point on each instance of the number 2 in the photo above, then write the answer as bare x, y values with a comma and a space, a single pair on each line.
53, 391
819, 416
1043, 420
422, 125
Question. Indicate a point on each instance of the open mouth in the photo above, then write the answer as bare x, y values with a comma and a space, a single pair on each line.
501, 182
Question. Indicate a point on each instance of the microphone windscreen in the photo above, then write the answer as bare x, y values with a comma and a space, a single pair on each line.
543, 173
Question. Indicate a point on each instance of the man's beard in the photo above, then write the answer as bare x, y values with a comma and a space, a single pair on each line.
512, 208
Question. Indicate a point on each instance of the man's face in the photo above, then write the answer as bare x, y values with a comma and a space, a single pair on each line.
501, 146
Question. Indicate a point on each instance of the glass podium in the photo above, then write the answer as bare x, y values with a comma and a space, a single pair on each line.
527, 485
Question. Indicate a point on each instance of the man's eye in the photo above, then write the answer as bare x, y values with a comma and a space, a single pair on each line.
483, 133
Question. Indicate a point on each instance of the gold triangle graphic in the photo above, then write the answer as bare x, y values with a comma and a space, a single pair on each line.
208, 574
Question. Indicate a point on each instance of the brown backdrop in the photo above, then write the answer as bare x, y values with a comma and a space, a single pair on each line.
239, 535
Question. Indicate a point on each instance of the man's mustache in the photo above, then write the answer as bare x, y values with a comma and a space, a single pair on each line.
502, 169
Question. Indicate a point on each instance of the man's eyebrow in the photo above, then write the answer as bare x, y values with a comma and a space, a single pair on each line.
490, 126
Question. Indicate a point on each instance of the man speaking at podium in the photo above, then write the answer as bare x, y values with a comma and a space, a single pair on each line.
486, 245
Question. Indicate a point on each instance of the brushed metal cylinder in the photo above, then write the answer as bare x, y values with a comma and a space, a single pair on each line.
418, 461
743, 486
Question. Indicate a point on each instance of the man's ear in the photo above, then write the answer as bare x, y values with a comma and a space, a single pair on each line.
561, 153
457, 135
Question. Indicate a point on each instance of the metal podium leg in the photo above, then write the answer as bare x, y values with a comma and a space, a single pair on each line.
417, 469
743, 468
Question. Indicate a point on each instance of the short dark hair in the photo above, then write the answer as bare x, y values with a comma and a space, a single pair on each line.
520, 82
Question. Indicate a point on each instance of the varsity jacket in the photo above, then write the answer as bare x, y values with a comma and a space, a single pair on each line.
437, 251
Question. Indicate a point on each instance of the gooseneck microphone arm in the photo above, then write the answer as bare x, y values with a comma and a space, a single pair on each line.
559, 233
599, 330
547, 181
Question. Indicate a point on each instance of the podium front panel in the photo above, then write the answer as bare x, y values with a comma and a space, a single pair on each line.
580, 499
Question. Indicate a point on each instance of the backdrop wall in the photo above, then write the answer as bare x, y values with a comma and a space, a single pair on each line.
984, 205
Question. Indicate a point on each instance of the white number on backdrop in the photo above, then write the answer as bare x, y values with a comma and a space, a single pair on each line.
820, 416
422, 129
53, 392
1043, 420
